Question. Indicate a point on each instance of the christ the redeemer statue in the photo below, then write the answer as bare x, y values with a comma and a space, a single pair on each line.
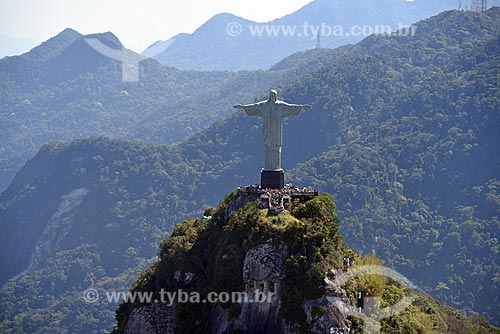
272, 112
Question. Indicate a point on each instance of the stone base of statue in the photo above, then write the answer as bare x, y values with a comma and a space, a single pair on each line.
273, 179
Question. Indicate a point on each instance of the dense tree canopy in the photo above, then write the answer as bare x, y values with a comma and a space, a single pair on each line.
403, 133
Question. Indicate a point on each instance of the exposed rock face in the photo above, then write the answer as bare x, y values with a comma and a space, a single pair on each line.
151, 319
335, 304
264, 263
335, 315
59, 225
263, 271
263, 274
55, 230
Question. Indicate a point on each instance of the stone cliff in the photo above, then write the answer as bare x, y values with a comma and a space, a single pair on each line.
263, 272
284, 270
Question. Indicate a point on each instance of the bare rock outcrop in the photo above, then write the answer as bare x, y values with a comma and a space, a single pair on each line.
151, 319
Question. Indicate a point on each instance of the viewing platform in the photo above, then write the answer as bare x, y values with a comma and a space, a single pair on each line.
278, 200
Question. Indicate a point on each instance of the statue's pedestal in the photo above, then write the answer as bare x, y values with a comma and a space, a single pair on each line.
274, 179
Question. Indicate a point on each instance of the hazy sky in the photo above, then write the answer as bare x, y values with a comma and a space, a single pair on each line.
136, 23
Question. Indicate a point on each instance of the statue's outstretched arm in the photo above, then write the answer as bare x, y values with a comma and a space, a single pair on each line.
253, 109
290, 109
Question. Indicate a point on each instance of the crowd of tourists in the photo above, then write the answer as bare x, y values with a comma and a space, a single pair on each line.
288, 189
274, 198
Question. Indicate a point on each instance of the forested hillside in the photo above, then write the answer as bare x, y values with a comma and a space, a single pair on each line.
64, 90
227, 252
403, 132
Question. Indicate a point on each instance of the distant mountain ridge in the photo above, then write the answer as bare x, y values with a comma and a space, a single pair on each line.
403, 133
64, 89
215, 46
53, 46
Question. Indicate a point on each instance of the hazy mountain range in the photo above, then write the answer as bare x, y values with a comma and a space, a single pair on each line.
403, 133
64, 89
229, 42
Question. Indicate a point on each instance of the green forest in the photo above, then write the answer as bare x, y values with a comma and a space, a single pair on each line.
213, 251
403, 133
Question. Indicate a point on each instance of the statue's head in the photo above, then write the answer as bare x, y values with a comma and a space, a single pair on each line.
273, 96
